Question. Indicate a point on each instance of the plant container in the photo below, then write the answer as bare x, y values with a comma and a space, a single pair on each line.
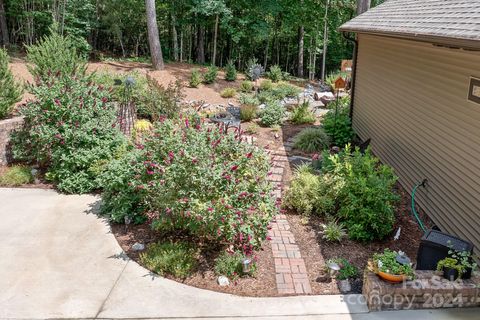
450, 274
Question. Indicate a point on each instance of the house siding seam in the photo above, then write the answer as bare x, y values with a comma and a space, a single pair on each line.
411, 100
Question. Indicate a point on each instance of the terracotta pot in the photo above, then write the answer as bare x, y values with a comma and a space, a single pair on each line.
392, 277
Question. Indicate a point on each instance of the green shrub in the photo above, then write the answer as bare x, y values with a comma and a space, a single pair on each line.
229, 265
353, 189
246, 86
55, 54
333, 231
159, 102
347, 270
200, 181
266, 85
195, 78
228, 93
302, 115
68, 129
176, 259
230, 72
308, 193
339, 127
15, 176
210, 75
364, 193
10, 92
248, 99
312, 139
252, 128
266, 97
283, 90
135, 91
275, 73
273, 114
248, 112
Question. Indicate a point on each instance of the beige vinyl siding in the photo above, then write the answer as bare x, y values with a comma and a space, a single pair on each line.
411, 100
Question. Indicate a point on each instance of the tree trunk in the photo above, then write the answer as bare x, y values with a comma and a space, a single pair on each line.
215, 37
153, 38
265, 60
181, 45
325, 40
201, 45
301, 36
174, 38
3, 25
362, 6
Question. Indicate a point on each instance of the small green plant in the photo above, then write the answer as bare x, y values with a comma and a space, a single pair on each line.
15, 176
284, 89
338, 126
266, 85
333, 231
275, 74
248, 99
246, 86
450, 263
302, 114
252, 128
347, 270
55, 54
312, 139
177, 259
230, 71
195, 78
254, 70
229, 265
248, 112
10, 92
210, 75
273, 114
228, 93
387, 262
159, 101
464, 258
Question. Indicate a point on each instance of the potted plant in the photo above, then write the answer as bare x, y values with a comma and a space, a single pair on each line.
451, 268
392, 266
464, 259
346, 272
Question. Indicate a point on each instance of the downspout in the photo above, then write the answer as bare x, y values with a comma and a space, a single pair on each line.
354, 72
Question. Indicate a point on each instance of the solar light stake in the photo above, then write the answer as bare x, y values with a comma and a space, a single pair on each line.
246, 265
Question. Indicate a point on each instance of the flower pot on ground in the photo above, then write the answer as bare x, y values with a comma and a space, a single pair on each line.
450, 273
464, 262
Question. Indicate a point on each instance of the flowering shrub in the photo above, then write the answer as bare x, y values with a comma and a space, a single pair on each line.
69, 128
10, 92
199, 180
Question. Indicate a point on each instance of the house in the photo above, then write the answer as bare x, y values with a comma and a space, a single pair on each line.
416, 95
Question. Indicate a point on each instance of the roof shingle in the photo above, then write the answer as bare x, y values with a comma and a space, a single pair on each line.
453, 19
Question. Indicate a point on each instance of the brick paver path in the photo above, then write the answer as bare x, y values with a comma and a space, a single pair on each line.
290, 271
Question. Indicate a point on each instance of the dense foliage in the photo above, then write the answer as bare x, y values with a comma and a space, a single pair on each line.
387, 262
69, 129
313, 139
10, 92
338, 126
15, 176
273, 114
195, 179
55, 54
353, 188
302, 114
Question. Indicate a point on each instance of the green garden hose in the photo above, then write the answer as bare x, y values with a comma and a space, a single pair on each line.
420, 223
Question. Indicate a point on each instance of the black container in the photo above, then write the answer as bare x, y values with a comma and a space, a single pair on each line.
434, 247
450, 274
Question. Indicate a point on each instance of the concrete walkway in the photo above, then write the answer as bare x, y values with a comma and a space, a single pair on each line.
59, 260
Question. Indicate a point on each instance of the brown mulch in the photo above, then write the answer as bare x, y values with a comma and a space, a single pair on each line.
262, 284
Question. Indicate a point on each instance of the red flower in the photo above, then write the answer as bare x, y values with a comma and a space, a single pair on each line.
104, 100
249, 155
187, 123
315, 156
234, 168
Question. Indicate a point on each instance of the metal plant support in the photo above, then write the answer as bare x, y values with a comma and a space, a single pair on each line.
127, 113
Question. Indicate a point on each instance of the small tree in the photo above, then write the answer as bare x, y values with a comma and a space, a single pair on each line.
10, 92
55, 54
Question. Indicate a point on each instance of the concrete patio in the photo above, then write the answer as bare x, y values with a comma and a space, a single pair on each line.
59, 260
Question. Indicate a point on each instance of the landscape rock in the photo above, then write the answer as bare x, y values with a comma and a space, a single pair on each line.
223, 281
138, 246
344, 286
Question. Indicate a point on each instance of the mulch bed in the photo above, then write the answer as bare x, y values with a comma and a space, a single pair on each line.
261, 285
